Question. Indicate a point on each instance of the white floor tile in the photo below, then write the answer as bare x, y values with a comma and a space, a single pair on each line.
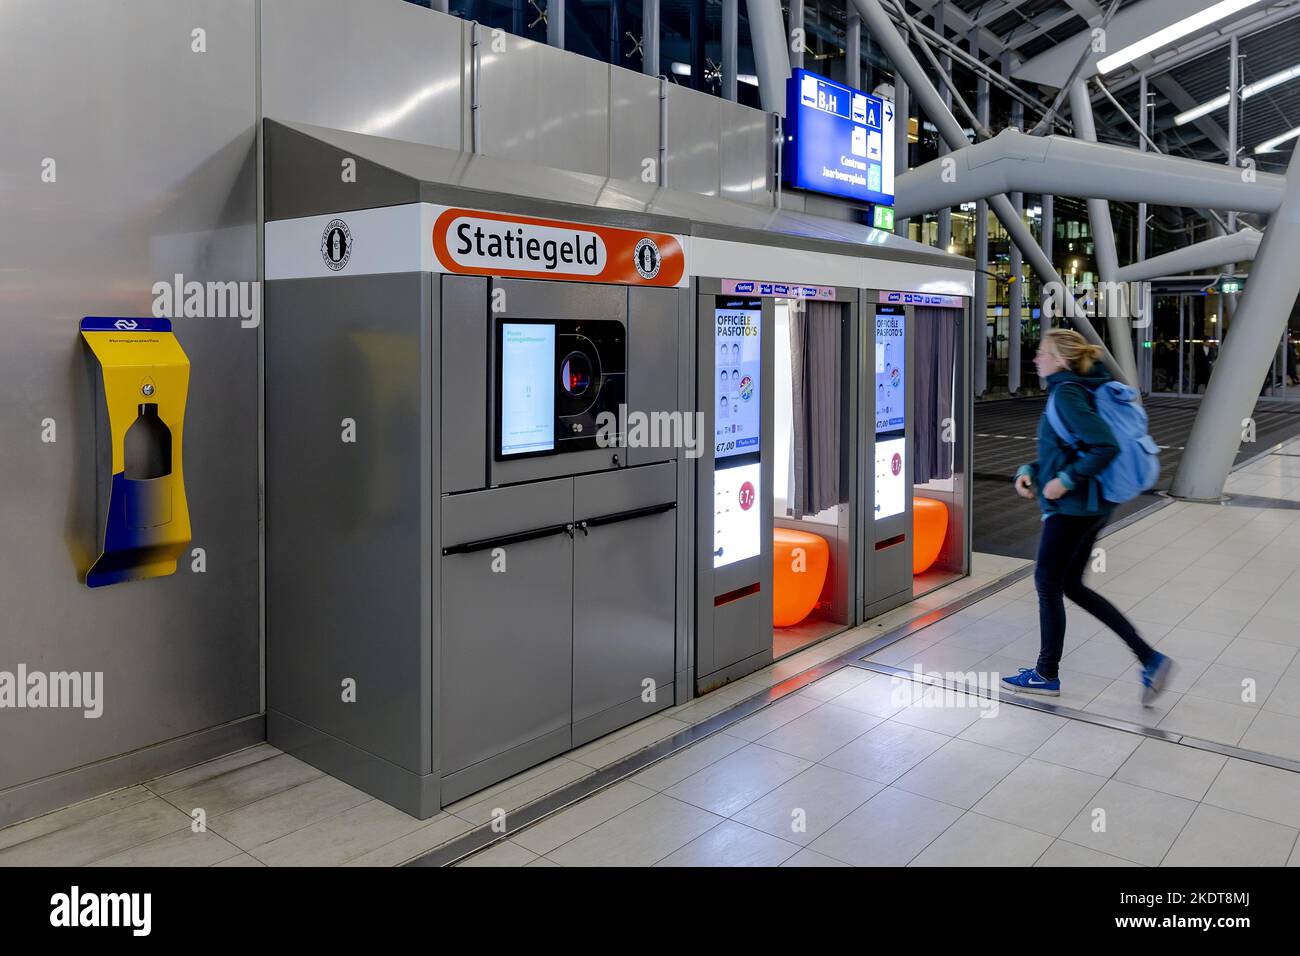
1258, 791
805, 807
1214, 837
959, 773
1171, 768
738, 779
732, 844
1088, 747
1040, 796
890, 829
1130, 822
640, 836
977, 840
887, 751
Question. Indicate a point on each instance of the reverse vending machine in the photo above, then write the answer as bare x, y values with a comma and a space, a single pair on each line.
519, 463
470, 567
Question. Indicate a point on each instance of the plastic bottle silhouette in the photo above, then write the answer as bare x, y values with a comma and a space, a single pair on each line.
147, 450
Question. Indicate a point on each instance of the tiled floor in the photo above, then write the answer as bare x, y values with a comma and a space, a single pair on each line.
262, 807
864, 769
850, 770
1217, 588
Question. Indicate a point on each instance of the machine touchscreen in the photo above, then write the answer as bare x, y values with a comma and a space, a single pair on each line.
527, 396
554, 382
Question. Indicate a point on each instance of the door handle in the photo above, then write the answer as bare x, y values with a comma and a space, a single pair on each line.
628, 515
502, 540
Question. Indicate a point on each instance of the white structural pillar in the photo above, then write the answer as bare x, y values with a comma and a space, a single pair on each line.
1246, 354
980, 306
798, 35
555, 23
771, 52
902, 142
853, 48
1146, 319
1234, 107
1103, 237
1048, 227
649, 37
945, 64
730, 27
1016, 287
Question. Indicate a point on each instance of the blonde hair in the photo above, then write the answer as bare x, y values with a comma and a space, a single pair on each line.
1076, 351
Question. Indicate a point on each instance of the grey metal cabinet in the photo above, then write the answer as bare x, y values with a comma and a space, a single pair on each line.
507, 633
623, 618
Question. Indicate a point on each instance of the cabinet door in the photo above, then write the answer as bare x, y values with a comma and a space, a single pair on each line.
623, 619
507, 653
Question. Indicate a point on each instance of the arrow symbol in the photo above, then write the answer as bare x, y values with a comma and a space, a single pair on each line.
889, 112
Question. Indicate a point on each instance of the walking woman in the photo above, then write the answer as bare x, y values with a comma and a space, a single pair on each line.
1064, 480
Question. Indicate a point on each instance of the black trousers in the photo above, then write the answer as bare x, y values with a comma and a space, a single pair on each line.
1064, 551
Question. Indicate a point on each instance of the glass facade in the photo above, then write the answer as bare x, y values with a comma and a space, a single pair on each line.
691, 55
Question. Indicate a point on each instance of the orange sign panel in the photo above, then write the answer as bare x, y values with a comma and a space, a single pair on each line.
470, 242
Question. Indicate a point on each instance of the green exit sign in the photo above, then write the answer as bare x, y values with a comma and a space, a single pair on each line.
1229, 286
882, 217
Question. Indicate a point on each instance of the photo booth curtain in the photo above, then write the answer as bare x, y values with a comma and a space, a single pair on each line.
815, 380
936, 347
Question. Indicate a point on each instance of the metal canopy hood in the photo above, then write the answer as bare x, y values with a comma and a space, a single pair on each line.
305, 163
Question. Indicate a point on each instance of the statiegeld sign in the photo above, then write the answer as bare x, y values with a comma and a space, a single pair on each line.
471, 242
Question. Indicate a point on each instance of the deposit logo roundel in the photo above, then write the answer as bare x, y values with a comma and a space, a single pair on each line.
647, 258
336, 245
896, 463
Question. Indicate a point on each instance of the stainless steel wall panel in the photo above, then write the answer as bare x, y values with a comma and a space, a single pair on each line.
633, 125
541, 105
652, 367
351, 520
694, 153
155, 173
383, 68
745, 146
463, 383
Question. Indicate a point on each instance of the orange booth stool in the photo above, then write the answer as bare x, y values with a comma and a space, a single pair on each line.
929, 528
797, 578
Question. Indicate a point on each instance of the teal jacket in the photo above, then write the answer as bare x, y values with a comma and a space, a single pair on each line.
1076, 467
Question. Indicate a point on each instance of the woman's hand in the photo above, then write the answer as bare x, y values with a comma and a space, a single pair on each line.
1054, 489
1024, 486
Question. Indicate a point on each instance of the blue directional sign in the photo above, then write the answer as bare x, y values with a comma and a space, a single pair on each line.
839, 140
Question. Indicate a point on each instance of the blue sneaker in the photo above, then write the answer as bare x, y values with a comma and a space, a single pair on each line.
1155, 676
1029, 681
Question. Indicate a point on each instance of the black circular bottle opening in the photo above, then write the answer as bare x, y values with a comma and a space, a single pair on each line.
575, 373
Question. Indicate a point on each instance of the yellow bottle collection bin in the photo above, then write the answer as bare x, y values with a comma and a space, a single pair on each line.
144, 377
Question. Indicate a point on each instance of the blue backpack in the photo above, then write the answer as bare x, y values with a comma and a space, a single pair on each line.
1137, 466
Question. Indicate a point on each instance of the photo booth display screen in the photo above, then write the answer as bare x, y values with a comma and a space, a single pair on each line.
891, 408
737, 449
